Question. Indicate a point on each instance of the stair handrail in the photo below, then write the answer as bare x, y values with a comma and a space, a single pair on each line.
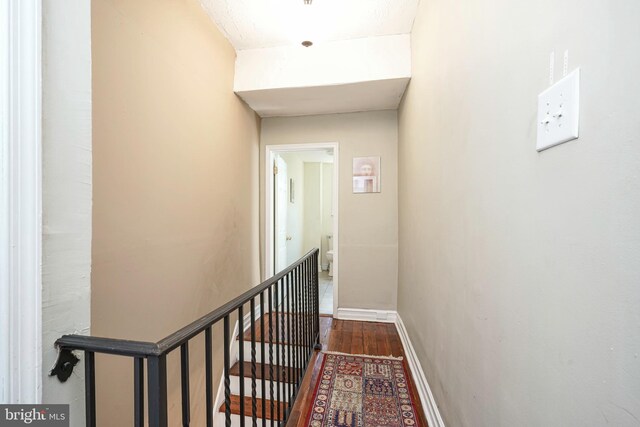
174, 340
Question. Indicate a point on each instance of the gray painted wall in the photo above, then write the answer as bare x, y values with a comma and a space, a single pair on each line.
368, 223
519, 279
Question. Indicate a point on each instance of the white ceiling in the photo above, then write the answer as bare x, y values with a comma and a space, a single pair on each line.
253, 24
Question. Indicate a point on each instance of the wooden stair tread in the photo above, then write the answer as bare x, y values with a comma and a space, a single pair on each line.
235, 370
263, 321
235, 407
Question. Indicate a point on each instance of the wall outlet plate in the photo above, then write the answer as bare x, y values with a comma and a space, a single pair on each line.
559, 112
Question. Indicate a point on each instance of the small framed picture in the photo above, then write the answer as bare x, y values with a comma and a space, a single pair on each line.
366, 174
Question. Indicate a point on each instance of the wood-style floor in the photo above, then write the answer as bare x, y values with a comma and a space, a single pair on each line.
346, 336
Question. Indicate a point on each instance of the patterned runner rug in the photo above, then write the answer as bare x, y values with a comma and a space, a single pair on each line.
362, 391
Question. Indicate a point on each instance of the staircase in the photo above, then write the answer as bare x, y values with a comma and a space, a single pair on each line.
276, 384
262, 378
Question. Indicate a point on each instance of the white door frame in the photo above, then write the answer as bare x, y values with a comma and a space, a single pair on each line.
270, 151
21, 200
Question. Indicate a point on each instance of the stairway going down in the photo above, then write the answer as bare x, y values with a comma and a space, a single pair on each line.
262, 370
277, 337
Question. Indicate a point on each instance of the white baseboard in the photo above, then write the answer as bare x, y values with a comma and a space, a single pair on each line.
366, 315
426, 396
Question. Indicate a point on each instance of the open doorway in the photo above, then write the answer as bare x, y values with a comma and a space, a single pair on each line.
302, 212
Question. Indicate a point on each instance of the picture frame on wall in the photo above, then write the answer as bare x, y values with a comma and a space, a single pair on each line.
366, 174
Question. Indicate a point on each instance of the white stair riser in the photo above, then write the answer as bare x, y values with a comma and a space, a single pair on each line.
285, 362
235, 388
219, 421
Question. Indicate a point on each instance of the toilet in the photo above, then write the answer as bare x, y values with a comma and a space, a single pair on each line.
330, 254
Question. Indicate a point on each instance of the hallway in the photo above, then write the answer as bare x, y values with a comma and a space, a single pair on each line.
501, 236
352, 337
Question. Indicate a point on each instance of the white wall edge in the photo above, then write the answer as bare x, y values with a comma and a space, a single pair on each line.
367, 315
420, 380
21, 234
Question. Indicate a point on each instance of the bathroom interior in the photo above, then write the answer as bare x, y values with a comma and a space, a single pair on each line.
304, 214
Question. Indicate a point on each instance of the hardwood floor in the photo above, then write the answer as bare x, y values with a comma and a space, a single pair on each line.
346, 336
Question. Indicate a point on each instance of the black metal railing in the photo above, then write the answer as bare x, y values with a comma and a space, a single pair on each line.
290, 317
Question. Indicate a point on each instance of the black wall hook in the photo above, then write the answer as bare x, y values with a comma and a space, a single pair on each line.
64, 365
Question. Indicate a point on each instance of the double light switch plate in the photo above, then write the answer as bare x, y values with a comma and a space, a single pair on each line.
559, 112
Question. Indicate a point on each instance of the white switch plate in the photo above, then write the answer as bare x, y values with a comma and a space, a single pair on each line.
559, 112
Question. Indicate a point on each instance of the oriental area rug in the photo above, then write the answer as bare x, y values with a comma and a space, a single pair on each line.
362, 391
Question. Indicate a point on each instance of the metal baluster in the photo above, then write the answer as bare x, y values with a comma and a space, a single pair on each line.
295, 340
299, 327
314, 308
184, 371
138, 391
262, 357
305, 324
312, 297
289, 344
241, 356
310, 307
271, 394
296, 332
279, 348
208, 343
157, 383
254, 398
90, 387
227, 368
305, 298
316, 313
286, 354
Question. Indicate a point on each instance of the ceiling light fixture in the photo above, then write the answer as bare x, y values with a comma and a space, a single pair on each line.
307, 43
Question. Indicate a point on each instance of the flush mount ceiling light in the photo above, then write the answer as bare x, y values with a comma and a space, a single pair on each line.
307, 43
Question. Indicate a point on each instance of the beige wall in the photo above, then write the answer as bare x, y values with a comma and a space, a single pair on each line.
175, 218
519, 276
368, 222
